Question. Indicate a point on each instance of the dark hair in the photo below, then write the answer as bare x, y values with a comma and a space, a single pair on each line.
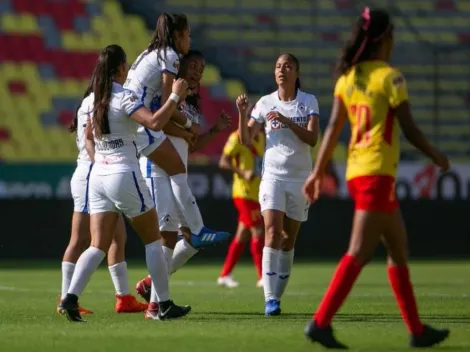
73, 126
368, 32
193, 99
294, 58
167, 25
109, 61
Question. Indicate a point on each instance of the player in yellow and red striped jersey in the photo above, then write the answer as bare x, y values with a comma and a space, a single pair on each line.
373, 96
246, 164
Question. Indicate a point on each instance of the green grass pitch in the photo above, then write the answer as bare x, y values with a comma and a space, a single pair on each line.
230, 320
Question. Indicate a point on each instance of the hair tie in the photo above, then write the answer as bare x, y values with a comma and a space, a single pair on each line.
366, 17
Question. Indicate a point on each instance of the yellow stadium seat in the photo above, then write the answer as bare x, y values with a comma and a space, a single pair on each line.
7, 151
296, 5
326, 5
99, 24
260, 4
463, 6
234, 88
190, 3
211, 76
29, 24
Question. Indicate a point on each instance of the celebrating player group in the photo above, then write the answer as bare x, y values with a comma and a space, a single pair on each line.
135, 128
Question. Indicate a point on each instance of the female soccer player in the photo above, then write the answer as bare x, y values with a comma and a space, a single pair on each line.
80, 235
177, 254
290, 119
116, 184
246, 163
151, 77
373, 95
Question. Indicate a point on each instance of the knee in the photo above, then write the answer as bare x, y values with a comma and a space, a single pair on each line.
361, 254
80, 243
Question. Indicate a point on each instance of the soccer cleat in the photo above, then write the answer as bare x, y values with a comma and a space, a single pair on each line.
429, 337
152, 312
272, 308
259, 283
83, 311
324, 336
227, 281
208, 237
129, 304
143, 288
168, 310
69, 308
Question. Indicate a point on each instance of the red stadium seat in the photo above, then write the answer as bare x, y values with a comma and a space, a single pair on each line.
66, 118
330, 36
4, 134
445, 5
17, 87
343, 4
464, 37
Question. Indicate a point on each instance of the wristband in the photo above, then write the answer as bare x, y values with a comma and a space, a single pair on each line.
188, 124
175, 97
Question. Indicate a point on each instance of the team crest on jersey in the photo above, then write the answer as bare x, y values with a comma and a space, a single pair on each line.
301, 107
275, 125
167, 218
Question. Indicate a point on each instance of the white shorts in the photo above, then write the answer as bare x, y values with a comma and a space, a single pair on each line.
165, 204
284, 196
124, 192
149, 141
79, 187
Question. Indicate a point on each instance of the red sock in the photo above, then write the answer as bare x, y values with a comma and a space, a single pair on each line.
234, 252
256, 248
346, 274
399, 278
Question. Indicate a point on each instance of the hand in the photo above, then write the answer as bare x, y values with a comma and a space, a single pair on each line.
223, 122
194, 130
242, 103
275, 115
248, 175
312, 186
442, 161
180, 87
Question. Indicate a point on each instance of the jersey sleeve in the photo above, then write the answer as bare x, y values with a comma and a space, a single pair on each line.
395, 88
170, 63
340, 88
257, 113
313, 109
130, 103
232, 145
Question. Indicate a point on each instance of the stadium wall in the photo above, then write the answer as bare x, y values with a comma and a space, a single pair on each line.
35, 216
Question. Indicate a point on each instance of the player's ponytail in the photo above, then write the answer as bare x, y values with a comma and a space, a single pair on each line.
111, 58
368, 32
165, 29
74, 125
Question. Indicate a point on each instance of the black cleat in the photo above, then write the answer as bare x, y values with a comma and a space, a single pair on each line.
168, 310
69, 308
324, 336
429, 337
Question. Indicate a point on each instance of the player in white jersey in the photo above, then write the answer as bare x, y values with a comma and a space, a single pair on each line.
150, 77
116, 184
80, 234
177, 254
290, 120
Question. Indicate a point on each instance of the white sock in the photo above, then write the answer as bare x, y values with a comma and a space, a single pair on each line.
286, 259
156, 266
270, 267
87, 264
168, 252
120, 277
186, 202
183, 252
67, 273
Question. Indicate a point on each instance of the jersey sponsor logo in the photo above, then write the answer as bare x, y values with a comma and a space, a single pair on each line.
110, 145
299, 120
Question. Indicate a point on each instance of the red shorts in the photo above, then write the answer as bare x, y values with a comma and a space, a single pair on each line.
249, 212
373, 193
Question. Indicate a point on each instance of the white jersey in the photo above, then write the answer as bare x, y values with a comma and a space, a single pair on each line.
116, 152
181, 146
286, 158
83, 114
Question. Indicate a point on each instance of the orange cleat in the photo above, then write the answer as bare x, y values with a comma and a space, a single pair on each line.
81, 310
129, 304
143, 288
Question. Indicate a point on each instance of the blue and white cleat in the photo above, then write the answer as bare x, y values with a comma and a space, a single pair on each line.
208, 237
272, 308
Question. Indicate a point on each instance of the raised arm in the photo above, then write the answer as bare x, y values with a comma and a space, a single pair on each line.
223, 122
247, 128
